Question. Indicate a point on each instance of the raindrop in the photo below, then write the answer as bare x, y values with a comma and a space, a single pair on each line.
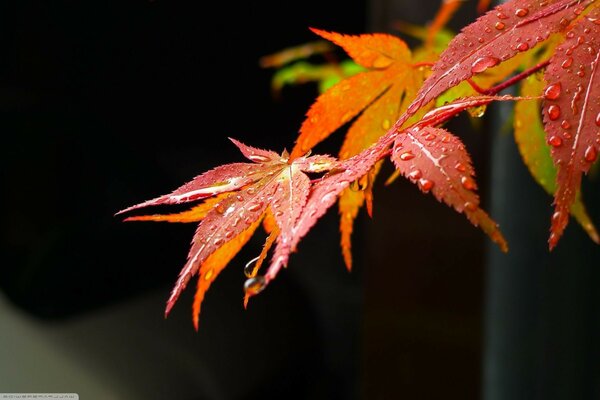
590, 154
553, 91
239, 197
553, 112
483, 63
220, 208
460, 167
415, 174
469, 206
565, 124
249, 268
218, 241
425, 184
499, 25
430, 137
556, 216
567, 63
555, 141
251, 191
468, 183
255, 206
521, 12
228, 234
407, 156
254, 285
598, 119
523, 46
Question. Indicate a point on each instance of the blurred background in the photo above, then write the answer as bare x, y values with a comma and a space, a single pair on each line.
106, 104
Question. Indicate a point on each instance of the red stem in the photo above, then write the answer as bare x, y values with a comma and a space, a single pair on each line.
509, 82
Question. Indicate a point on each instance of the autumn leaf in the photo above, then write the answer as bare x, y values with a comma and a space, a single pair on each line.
535, 152
437, 162
509, 29
572, 114
243, 193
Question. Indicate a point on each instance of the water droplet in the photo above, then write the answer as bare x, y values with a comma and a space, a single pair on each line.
249, 268
251, 191
487, 29
239, 197
590, 154
564, 22
587, 30
598, 119
553, 112
580, 74
407, 155
382, 62
430, 137
483, 63
523, 46
565, 124
521, 12
255, 206
220, 208
567, 63
499, 25
414, 107
415, 174
470, 206
468, 183
228, 234
567, 135
386, 124
480, 40
556, 216
208, 274
552, 91
501, 15
425, 184
254, 285
460, 167
555, 141
570, 34
218, 241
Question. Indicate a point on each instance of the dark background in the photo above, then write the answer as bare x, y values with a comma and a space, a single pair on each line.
106, 104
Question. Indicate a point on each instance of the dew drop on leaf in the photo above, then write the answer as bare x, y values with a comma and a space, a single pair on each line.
255, 206
590, 154
523, 46
407, 156
555, 141
483, 63
254, 285
460, 167
469, 206
467, 183
425, 184
499, 25
552, 92
249, 268
567, 63
521, 12
415, 174
553, 112
598, 119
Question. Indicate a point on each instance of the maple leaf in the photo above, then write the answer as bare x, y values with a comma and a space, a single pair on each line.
572, 113
500, 34
243, 194
531, 139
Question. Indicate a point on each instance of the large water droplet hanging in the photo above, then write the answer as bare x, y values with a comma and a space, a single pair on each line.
254, 285
249, 268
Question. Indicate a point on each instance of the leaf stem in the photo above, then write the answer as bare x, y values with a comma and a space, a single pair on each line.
509, 82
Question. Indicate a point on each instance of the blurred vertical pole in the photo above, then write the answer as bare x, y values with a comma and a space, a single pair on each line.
542, 312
